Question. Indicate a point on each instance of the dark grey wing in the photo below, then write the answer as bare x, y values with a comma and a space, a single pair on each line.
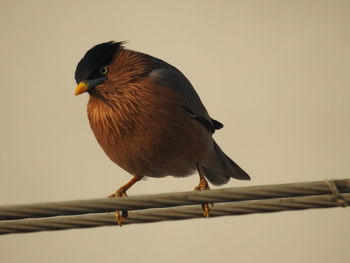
169, 76
217, 167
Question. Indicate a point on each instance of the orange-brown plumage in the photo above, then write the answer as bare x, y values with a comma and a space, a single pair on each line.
149, 120
144, 134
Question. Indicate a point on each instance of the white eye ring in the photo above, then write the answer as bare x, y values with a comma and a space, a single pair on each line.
104, 70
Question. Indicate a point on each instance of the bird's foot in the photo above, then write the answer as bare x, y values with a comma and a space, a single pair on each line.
120, 216
202, 186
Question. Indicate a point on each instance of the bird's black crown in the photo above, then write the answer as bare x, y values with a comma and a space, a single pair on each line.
98, 56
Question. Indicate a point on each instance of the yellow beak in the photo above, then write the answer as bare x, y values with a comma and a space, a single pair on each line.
81, 88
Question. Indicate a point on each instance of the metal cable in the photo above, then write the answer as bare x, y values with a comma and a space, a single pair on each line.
172, 199
167, 214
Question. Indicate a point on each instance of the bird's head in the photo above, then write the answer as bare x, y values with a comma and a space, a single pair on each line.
93, 68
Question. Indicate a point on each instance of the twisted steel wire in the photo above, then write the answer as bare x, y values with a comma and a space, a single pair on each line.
173, 199
177, 213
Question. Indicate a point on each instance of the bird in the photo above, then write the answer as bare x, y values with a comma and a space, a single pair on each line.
149, 120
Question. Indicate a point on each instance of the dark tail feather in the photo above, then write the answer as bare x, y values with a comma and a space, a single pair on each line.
218, 168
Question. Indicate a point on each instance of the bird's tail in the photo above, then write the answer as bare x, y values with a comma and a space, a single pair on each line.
218, 168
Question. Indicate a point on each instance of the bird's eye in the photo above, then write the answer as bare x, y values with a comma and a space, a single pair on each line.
104, 70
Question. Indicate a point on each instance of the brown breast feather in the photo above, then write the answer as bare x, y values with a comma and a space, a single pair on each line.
143, 127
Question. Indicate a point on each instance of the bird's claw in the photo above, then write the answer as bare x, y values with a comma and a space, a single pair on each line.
119, 193
120, 216
206, 211
202, 186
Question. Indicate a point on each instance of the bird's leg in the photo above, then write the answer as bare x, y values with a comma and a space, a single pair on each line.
203, 185
121, 217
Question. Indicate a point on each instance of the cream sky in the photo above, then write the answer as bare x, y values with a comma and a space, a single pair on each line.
276, 73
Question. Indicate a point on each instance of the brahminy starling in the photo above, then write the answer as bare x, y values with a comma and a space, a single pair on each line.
149, 120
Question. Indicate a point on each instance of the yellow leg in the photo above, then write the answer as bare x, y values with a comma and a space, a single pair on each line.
203, 185
121, 216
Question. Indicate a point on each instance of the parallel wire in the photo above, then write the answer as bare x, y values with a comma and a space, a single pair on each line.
173, 199
167, 214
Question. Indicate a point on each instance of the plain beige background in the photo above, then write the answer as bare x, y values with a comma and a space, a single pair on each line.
276, 73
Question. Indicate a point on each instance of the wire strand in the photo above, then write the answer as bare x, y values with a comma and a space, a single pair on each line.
229, 201
172, 199
170, 214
